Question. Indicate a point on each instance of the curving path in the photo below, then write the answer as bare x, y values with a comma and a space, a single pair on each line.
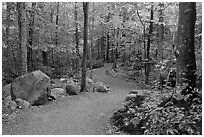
85, 114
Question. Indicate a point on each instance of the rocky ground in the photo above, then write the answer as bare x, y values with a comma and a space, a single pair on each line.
86, 113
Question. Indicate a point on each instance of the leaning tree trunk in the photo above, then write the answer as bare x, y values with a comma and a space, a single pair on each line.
185, 48
84, 58
148, 65
22, 36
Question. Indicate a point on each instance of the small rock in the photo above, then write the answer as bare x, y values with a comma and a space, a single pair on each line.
7, 101
57, 92
26, 104
12, 105
100, 87
19, 101
22, 104
130, 97
72, 89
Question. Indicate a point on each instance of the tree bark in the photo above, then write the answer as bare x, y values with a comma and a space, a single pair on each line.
114, 50
30, 37
103, 47
8, 23
108, 40
148, 65
84, 59
92, 33
56, 36
107, 49
76, 38
159, 52
161, 32
185, 48
51, 38
22, 36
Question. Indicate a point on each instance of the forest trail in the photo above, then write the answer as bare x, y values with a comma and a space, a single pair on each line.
85, 114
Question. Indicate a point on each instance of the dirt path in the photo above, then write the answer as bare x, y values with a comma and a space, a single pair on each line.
85, 114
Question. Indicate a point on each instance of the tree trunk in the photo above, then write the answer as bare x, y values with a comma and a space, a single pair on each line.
99, 49
159, 52
22, 36
8, 22
44, 56
148, 65
185, 48
92, 33
114, 50
51, 38
161, 33
84, 59
107, 49
56, 34
76, 39
103, 48
108, 40
30, 37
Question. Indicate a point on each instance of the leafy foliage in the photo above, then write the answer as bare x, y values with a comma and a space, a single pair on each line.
146, 117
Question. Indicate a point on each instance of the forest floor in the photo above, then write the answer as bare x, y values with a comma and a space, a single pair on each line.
85, 114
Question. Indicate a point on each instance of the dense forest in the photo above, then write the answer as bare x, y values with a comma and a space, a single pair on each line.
159, 43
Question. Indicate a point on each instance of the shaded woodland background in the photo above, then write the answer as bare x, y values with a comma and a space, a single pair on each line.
158, 44
117, 31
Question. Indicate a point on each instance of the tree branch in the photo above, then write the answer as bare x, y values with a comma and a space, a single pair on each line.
139, 17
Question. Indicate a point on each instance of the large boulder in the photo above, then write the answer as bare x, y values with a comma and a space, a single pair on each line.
72, 88
32, 87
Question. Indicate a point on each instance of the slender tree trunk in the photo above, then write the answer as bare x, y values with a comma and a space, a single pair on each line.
19, 61
56, 35
51, 38
159, 54
30, 37
108, 41
107, 49
185, 48
144, 42
22, 36
8, 23
92, 33
76, 39
161, 32
84, 59
102, 47
114, 51
99, 48
148, 65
